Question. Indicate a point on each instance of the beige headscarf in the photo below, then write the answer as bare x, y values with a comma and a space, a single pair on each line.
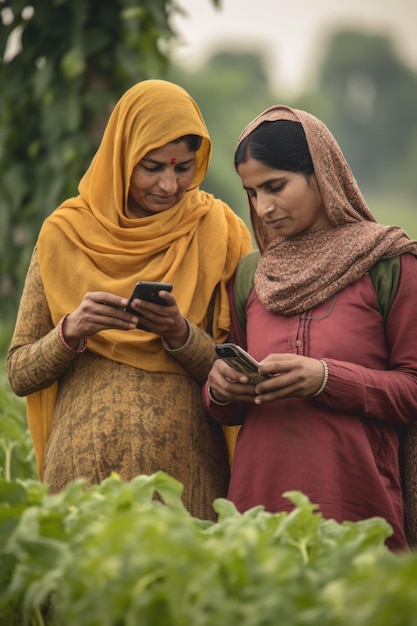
298, 273
90, 244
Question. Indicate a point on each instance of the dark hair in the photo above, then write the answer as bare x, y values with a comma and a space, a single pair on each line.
193, 141
279, 144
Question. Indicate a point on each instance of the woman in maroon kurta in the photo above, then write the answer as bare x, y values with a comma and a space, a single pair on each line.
343, 379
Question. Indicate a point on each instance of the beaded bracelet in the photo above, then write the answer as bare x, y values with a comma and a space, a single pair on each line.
83, 342
325, 378
218, 402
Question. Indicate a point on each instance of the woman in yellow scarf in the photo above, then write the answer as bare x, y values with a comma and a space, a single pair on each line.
103, 396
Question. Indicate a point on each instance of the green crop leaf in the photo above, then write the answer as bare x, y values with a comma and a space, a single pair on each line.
128, 553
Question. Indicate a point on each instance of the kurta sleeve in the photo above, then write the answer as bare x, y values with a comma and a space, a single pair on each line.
197, 355
385, 395
36, 357
232, 414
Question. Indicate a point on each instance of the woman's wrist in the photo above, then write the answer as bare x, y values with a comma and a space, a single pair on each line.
82, 343
325, 378
180, 340
216, 400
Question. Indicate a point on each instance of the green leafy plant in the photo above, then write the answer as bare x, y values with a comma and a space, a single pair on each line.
17, 457
115, 555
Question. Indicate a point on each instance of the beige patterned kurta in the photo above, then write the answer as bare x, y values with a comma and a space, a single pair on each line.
111, 417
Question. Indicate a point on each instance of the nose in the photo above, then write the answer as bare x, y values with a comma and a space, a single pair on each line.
168, 181
263, 205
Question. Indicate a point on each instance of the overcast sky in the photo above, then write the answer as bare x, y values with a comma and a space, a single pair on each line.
291, 32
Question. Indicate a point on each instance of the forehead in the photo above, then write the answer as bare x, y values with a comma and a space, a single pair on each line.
254, 173
168, 152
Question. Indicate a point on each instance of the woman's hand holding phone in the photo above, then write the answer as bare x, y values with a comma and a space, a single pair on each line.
97, 311
234, 374
147, 292
158, 312
241, 361
280, 376
100, 311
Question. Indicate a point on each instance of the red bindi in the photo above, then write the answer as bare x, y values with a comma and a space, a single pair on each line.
173, 161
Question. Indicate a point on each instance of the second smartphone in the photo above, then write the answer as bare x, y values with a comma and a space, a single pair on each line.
240, 360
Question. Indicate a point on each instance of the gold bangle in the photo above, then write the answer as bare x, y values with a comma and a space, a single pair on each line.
325, 379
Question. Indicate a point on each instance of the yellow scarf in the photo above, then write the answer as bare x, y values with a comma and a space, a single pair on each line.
89, 243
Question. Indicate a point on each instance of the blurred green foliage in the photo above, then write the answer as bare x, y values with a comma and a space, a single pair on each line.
78, 57
69, 63
17, 457
363, 92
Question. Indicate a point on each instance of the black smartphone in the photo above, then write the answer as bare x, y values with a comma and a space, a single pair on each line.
147, 291
241, 361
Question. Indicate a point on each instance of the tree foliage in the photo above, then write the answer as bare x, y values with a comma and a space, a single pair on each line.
374, 95
363, 91
64, 64
72, 60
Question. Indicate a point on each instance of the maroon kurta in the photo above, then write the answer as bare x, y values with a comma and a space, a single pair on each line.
340, 448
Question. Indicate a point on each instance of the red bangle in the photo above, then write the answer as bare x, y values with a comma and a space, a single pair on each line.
83, 342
